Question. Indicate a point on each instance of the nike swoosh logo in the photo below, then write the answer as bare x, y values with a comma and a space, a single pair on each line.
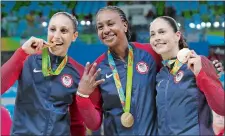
108, 76
37, 71
159, 83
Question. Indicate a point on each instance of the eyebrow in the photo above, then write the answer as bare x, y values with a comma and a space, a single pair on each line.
64, 27
99, 23
159, 29
60, 27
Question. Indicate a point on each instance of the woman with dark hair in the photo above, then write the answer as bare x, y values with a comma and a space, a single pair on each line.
47, 82
128, 71
187, 86
128, 75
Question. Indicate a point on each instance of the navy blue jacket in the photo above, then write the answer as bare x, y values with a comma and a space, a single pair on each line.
182, 107
143, 106
46, 105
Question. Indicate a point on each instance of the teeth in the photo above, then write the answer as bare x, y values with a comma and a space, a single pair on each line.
159, 44
110, 36
58, 43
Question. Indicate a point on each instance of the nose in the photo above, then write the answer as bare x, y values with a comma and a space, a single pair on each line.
154, 39
157, 38
57, 35
106, 30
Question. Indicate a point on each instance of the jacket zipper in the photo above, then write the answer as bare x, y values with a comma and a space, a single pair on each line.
49, 113
166, 90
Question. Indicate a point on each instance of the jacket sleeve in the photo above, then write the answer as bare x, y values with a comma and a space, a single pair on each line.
11, 70
91, 109
208, 82
77, 127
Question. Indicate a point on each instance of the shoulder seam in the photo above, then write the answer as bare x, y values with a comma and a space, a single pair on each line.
147, 47
77, 66
100, 58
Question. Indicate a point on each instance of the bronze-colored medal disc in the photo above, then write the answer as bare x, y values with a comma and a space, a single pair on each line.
127, 119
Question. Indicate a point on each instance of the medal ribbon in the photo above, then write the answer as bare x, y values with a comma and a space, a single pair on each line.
46, 64
124, 101
173, 64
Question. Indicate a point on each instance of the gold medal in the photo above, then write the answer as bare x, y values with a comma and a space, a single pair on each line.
127, 119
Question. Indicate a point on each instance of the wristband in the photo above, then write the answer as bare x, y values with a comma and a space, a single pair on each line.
82, 95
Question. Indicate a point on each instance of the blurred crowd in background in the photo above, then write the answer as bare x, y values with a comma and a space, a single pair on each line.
31, 17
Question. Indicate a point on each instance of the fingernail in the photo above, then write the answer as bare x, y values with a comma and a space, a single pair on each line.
103, 80
87, 63
99, 69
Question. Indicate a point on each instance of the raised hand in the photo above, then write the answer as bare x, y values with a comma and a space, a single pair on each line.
88, 81
34, 45
194, 62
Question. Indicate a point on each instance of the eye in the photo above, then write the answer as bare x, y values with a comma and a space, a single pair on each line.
161, 32
110, 24
99, 27
152, 34
64, 30
52, 29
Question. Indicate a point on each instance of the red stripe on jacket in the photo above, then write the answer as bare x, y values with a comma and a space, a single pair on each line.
91, 108
11, 70
209, 83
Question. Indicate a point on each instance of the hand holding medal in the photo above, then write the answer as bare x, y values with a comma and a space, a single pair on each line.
191, 58
183, 55
33, 45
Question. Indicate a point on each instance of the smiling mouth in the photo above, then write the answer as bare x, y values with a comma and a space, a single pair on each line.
58, 44
109, 37
159, 44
